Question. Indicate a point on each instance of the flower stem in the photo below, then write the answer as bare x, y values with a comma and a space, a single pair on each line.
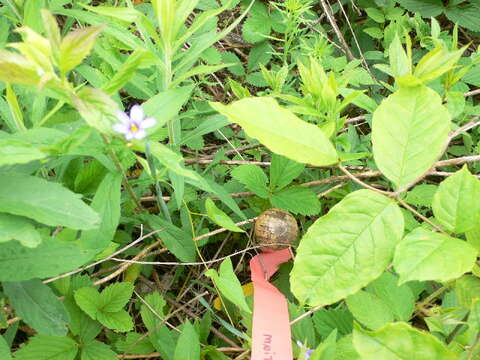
153, 173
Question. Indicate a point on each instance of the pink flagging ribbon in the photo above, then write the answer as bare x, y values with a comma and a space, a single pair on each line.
271, 339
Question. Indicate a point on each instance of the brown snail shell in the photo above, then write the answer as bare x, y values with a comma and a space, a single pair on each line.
275, 229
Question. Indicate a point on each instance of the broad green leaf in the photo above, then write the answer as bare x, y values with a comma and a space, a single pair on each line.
122, 13
114, 297
280, 130
120, 321
253, 177
43, 347
467, 289
465, 15
156, 303
206, 126
327, 349
297, 200
426, 8
228, 284
358, 236
473, 321
76, 46
107, 203
421, 195
283, 171
44, 201
399, 341
219, 217
134, 343
81, 324
4, 350
96, 350
409, 133
437, 62
13, 151
188, 345
38, 306
89, 300
400, 64
19, 228
455, 203
369, 309
426, 255
18, 263
15, 68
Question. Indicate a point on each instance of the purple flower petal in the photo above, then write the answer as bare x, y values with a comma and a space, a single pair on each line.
121, 128
136, 113
140, 134
123, 117
148, 122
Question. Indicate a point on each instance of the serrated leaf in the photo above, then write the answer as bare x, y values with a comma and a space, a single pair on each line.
134, 343
409, 132
399, 341
260, 54
256, 28
358, 236
43, 347
188, 345
280, 130
297, 199
114, 297
155, 302
455, 203
219, 217
15, 68
230, 57
253, 177
369, 309
400, 64
81, 324
14, 151
465, 15
18, 263
44, 201
76, 46
283, 171
19, 228
426, 8
88, 299
96, 350
4, 350
120, 321
38, 306
422, 255
421, 195
228, 284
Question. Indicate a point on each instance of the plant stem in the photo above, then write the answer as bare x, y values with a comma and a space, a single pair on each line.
153, 173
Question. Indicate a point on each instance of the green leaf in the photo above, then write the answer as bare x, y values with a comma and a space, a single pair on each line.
134, 343
399, 341
19, 228
156, 302
421, 195
81, 324
297, 200
455, 203
465, 15
258, 25
188, 345
44, 201
38, 306
426, 8
400, 64
228, 284
219, 217
15, 68
422, 255
437, 62
467, 289
120, 321
107, 203
43, 347
13, 151
18, 263
280, 130
89, 300
333, 248
114, 297
369, 309
253, 177
260, 54
374, 32
96, 350
4, 349
376, 15
409, 133
283, 171
76, 46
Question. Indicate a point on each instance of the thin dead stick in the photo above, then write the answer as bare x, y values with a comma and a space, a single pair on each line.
472, 93
360, 182
304, 315
412, 210
218, 231
332, 189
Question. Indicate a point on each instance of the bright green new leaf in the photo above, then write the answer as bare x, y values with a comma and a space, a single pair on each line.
399, 341
76, 46
188, 345
455, 204
4, 350
437, 62
467, 289
19, 228
13, 151
122, 13
426, 255
96, 350
18, 263
283, 171
219, 217
327, 350
280, 130
44, 347
107, 203
253, 177
44, 201
347, 248
369, 309
15, 68
38, 306
409, 133
228, 284
400, 64
297, 200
